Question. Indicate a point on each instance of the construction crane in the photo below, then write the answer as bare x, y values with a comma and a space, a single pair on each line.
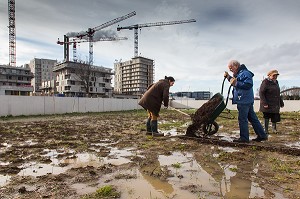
90, 32
12, 32
138, 26
66, 44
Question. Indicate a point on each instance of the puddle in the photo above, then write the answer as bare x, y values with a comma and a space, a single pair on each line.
172, 132
293, 145
228, 149
194, 181
190, 177
61, 165
4, 180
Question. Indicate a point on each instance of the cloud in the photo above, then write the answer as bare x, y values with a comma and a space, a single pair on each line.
261, 34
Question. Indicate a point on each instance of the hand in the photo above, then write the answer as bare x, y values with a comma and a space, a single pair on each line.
233, 81
226, 74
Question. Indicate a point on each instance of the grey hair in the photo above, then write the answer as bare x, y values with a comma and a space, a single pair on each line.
234, 63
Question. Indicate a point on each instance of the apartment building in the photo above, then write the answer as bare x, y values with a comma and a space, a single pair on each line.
48, 88
42, 70
133, 77
15, 80
80, 79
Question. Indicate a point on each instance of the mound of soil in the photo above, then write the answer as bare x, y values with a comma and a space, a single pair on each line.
202, 115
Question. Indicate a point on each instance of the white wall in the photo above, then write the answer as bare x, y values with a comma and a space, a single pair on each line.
289, 105
40, 105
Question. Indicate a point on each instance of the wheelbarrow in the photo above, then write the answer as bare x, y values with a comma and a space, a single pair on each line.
206, 125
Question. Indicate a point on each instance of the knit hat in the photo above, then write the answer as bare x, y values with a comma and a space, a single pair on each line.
273, 72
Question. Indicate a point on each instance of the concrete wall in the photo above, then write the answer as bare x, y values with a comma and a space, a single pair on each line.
41, 105
289, 105
44, 105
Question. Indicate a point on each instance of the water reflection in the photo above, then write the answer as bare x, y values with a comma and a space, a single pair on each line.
192, 175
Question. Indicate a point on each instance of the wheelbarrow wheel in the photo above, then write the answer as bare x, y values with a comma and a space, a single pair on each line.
210, 128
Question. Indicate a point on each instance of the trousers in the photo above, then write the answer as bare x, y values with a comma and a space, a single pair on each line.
247, 114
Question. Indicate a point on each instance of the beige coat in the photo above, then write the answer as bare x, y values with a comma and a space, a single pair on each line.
157, 94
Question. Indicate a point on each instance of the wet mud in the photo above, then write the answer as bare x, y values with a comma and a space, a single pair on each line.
85, 156
203, 115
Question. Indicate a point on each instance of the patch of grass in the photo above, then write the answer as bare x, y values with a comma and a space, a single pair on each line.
107, 191
177, 165
254, 148
180, 147
224, 155
233, 169
279, 165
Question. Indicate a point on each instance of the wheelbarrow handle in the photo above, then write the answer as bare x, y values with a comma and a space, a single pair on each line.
223, 85
228, 91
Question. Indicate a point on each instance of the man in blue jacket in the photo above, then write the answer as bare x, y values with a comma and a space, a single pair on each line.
243, 96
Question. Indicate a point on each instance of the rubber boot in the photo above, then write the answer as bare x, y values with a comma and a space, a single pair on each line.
154, 128
274, 129
148, 125
267, 126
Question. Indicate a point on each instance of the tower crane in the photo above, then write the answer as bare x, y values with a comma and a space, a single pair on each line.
66, 44
138, 26
90, 32
12, 32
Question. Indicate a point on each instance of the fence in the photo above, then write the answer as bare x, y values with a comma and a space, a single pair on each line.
289, 105
42, 105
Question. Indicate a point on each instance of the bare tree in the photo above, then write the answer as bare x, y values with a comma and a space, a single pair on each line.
83, 71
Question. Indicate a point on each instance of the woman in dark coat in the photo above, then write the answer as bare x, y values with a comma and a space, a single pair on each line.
152, 100
270, 99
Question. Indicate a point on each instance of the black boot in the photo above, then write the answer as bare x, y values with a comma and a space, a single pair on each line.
267, 126
148, 125
154, 128
274, 129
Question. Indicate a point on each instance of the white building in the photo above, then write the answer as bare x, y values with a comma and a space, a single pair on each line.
80, 79
133, 77
15, 80
42, 70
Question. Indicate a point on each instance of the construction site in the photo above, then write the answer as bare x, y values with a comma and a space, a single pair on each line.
71, 129
73, 77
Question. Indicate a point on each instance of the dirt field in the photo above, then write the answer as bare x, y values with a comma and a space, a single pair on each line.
108, 155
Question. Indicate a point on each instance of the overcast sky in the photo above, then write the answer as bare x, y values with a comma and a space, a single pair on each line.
262, 34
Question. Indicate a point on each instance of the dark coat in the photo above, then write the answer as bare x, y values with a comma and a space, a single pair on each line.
269, 94
155, 95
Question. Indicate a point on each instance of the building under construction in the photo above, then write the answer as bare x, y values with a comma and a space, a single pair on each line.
133, 77
15, 80
74, 79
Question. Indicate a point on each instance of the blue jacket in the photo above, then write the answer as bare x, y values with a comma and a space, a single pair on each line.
243, 90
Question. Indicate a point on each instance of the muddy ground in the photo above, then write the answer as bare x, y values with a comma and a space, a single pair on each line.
108, 155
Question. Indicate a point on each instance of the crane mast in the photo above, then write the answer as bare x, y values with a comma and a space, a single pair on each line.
138, 26
12, 32
90, 32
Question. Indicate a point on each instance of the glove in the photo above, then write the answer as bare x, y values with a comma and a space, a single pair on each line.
233, 81
226, 74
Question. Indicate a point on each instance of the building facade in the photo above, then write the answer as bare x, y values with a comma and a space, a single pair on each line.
42, 70
74, 79
48, 88
15, 80
133, 77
